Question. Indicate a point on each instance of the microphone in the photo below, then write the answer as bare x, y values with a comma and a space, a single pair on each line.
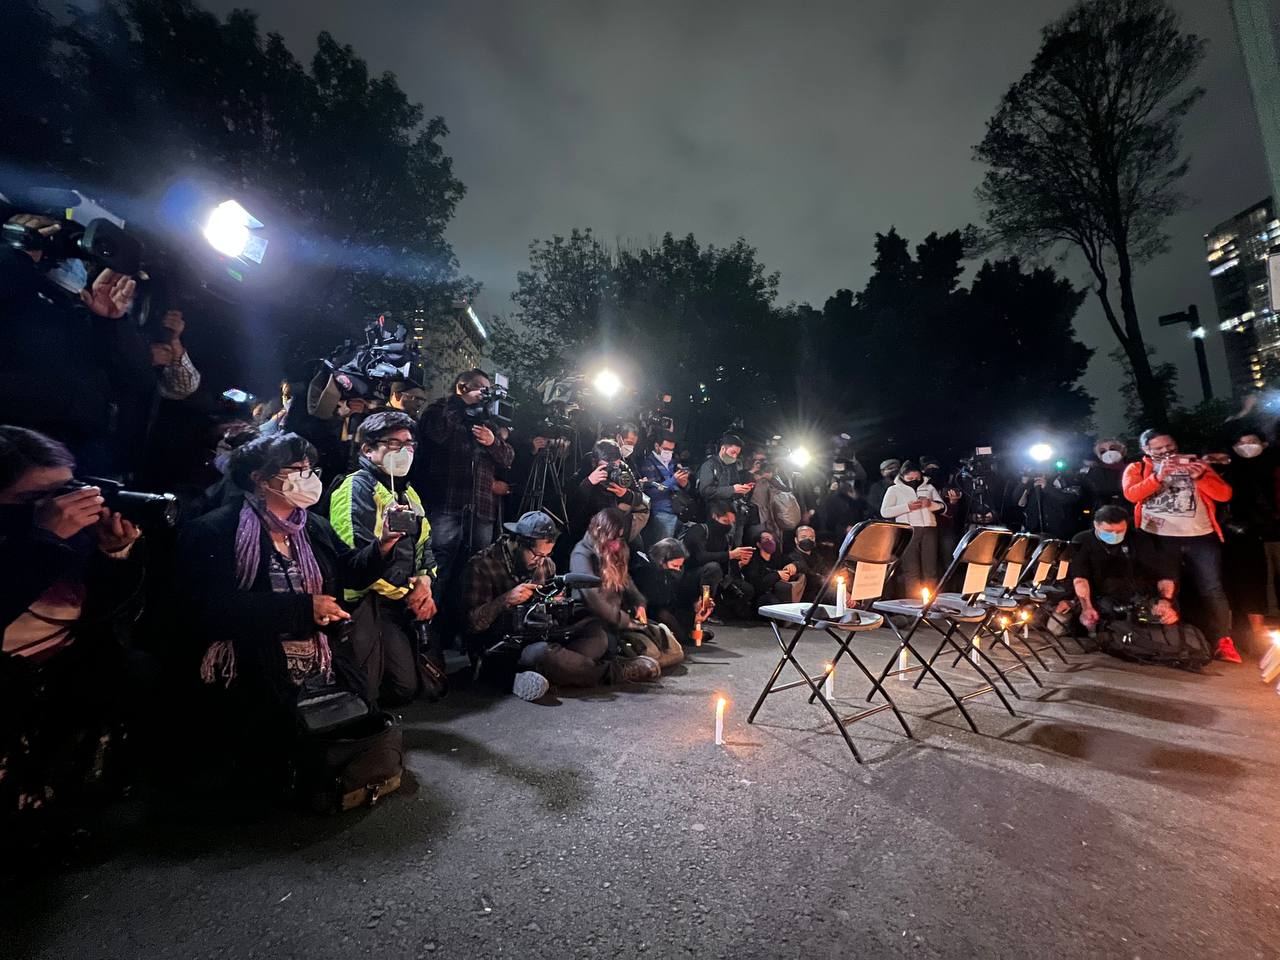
577, 580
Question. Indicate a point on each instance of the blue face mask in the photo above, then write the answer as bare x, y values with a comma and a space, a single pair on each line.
1110, 537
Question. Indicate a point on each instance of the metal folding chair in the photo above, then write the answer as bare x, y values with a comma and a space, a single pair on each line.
1049, 584
871, 550
974, 558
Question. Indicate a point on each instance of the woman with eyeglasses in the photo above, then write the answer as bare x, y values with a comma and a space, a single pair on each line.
261, 579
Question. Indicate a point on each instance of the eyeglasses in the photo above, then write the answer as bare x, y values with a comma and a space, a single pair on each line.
302, 473
394, 445
539, 556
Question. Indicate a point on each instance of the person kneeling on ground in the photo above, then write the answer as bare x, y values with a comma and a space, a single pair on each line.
1125, 583
386, 640
718, 558
496, 586
261, 577
773, 579
808, 562
617, 604
675, 595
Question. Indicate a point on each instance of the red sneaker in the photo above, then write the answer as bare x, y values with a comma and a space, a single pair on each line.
1227, 651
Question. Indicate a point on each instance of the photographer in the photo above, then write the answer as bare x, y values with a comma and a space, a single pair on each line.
70, 572
497, 585
377, 497
1175, 500
605, 481
408, 397
667, 486
1049, 503
456, 471
718, 557
720, 479
260, 579
839, 510
68, 356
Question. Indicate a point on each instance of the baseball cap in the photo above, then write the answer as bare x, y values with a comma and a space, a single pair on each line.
534, 525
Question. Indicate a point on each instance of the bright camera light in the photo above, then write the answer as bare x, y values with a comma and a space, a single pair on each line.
1198, 333
800, 457
1041, 452
229, 231
607, 383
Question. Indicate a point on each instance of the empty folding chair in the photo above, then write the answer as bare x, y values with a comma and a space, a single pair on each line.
871, 549
972, 562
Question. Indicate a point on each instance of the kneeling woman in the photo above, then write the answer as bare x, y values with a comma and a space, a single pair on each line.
261, 577
617, 606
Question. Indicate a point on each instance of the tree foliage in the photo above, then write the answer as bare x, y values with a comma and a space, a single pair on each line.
1084, 152
127, 97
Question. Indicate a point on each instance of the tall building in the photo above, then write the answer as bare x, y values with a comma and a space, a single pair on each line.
1244, 259
447, 344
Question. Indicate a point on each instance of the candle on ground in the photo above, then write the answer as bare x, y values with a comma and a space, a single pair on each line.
829, 683
720, 704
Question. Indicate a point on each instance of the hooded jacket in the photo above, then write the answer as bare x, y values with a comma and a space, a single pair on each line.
900, 494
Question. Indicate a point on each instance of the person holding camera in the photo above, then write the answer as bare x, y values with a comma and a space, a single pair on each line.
1049, 503
498, 587
667, 485
69, 570
1175, 499
718, 558
388, 638
610, 483
69, 355
720, 478
261, 579
459, 455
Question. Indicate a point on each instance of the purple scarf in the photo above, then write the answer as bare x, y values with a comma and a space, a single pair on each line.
220, 659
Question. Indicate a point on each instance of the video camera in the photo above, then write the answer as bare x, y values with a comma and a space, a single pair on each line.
153, 510
87, 234
658, 419
550, 615
363, 371
495, 409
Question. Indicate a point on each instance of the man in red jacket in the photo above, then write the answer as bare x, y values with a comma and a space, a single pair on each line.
1175, 500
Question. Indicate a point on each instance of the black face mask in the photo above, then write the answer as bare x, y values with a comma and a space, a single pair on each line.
913, 484
805, 545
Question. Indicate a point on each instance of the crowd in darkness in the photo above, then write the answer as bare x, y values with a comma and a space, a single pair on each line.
366, 547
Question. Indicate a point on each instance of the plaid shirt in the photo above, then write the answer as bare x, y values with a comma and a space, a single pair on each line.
488, 576
446, 481
179, 380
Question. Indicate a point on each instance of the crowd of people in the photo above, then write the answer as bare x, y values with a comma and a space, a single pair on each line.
367, 547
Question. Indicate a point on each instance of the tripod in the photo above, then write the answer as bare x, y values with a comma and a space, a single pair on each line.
547, 472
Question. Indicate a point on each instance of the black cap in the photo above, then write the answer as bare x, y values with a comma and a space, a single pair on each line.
534, 525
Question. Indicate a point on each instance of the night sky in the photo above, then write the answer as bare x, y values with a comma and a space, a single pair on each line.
804, 127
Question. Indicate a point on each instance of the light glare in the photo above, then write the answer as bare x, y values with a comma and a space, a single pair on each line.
1041, 452
607, 383
227, 228
800, 457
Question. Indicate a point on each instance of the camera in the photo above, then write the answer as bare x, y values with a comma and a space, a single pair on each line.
81, 235
620, 473
658, 420
401, 520
144, 509
494, 409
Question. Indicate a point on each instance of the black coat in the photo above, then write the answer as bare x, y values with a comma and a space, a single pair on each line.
255, 619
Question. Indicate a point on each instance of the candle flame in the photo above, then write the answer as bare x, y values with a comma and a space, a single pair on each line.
828, 666
1275, 637
1024, 616
721, 702
1004, 621
925, 594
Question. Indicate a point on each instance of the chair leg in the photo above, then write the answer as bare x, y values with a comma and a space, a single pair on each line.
884, 693
998, 637
777, 670
982, 673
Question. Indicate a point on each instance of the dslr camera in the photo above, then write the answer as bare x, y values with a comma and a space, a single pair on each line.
495, 409
153, 510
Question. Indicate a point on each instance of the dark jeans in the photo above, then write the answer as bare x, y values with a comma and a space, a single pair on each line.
448, 532
577, 662
919, 565
1202, 565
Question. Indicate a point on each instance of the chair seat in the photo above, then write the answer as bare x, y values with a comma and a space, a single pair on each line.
1032, 593
911, 608
825, 615
986, 599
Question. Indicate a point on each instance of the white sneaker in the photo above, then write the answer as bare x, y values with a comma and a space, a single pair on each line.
530, 686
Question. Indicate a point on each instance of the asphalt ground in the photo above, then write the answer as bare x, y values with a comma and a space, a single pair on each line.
1127, 812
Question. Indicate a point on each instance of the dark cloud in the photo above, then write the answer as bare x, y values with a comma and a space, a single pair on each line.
805, 127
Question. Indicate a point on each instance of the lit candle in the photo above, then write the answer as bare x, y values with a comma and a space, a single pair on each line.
977, 645
720, 703
829, 684
840, 596
924, 597
1004, 628
1025, 617
904, 661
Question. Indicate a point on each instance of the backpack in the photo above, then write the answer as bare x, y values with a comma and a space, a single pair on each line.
352, 766
1179, 645
786, 510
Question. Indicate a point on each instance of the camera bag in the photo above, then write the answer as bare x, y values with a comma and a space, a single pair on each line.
1178, 645
354, 765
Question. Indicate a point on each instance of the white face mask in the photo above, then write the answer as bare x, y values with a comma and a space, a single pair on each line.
627, 449
302, 491
664, 456
397, 462
1111, 456
1248, 450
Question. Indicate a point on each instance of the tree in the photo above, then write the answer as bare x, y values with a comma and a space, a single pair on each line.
127, 97
1084, 151
695, 321
1166, 374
